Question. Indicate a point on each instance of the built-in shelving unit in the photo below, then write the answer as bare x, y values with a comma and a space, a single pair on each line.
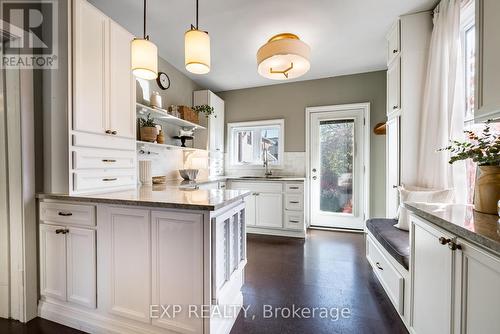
166, 146
163, 115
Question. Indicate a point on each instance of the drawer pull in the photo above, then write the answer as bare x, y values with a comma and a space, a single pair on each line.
294, 221
64, 214
108, 160
62, 231
294, 202
379, 266
444, 241
296, 188
110, 179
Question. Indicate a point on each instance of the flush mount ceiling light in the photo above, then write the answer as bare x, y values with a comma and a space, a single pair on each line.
197, 49
283, 57
144, 55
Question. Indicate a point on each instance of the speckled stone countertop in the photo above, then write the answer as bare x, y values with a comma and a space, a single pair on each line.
463, 221
161, 196
192, 184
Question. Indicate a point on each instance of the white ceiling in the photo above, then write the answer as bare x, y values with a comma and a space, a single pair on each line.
346, 36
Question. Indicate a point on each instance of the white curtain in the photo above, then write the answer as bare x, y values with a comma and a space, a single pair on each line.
443, 104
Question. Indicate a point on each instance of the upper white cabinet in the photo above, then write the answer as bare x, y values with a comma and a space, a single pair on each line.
393, 42
394, 87
488, 60
90, 68
103, 85
213, 138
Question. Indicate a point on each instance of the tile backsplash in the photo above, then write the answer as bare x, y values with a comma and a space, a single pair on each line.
294, 165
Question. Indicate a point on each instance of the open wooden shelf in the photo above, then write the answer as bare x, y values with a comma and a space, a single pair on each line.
162, 115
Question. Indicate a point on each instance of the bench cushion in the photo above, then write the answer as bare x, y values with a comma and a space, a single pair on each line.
394, 240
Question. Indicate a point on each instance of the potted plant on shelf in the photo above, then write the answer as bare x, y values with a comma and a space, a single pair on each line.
205, 109
484, 150
148, 129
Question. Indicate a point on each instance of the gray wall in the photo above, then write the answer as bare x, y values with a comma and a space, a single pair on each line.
181, 87
289, 101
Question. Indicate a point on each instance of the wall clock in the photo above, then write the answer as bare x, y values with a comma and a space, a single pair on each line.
163, 80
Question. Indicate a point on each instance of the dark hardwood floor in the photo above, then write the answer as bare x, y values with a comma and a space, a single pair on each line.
328, 271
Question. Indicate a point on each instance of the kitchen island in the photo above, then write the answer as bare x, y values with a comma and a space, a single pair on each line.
157, 259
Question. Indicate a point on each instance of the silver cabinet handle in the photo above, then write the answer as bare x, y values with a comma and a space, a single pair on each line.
379, 266
294, 188
110, 179
294, 221
294, 202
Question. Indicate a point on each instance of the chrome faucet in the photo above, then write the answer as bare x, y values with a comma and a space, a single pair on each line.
266, 163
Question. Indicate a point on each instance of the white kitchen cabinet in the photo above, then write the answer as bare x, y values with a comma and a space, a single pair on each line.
122, 112
251, 205
90, 68
125, 261
81, 266
177, 246
487, 60
392, 166
394, 87
103, 85
211, 139
52, 262
432, 270
269, 210
393, 42
477, 285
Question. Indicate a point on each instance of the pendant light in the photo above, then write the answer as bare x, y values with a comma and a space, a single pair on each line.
144, 55
197, 49
283, 57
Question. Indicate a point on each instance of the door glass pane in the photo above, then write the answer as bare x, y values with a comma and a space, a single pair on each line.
336, 165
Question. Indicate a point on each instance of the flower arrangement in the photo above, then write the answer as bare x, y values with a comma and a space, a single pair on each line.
147, 122
204, 109
483, 148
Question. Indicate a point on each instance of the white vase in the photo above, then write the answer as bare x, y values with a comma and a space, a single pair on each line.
155, 100
145, 174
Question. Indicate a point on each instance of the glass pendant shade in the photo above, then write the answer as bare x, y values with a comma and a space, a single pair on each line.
283, 57
197, 51
144, 59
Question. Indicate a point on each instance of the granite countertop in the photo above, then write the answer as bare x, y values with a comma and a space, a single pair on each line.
463, 221
191, 184
161, 196
275, 178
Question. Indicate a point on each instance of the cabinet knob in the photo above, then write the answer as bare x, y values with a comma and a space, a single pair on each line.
395, 107
314, 177
314, 170
114, 132
454, 246
379, 266
394, 51
394, 186
108, 132
444, 241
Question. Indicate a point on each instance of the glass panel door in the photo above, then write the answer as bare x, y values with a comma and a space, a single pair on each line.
337, 174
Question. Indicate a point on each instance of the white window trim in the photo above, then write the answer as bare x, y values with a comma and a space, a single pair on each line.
281, 142
467, 20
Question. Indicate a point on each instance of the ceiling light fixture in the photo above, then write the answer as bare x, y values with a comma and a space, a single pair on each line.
283, 57
144, 55
197, 49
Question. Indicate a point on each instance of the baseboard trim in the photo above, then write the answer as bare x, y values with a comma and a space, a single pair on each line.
274, 232
336, 229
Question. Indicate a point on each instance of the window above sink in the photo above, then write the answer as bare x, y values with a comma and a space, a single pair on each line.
250, 141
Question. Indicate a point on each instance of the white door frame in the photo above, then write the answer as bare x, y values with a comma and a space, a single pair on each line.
366, 132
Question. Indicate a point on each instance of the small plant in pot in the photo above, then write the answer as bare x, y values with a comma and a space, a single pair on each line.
484, 149
148, 129
205, 109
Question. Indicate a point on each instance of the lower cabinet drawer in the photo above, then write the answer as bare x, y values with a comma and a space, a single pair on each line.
97, 180
294, 220
294, 188
389, 277
294, 202
83, 139
67, 213
92, 158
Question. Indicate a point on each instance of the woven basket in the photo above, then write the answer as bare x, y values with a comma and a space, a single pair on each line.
188, 114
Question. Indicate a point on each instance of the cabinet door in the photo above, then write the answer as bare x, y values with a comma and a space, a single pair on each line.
52, 262
478, 275
125, 261
488, 60
392, 166
217, 124
394, 42
269, 210
122, 84
431, 280
81, 264
90, 61
250, 210
394, 87
178, 267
